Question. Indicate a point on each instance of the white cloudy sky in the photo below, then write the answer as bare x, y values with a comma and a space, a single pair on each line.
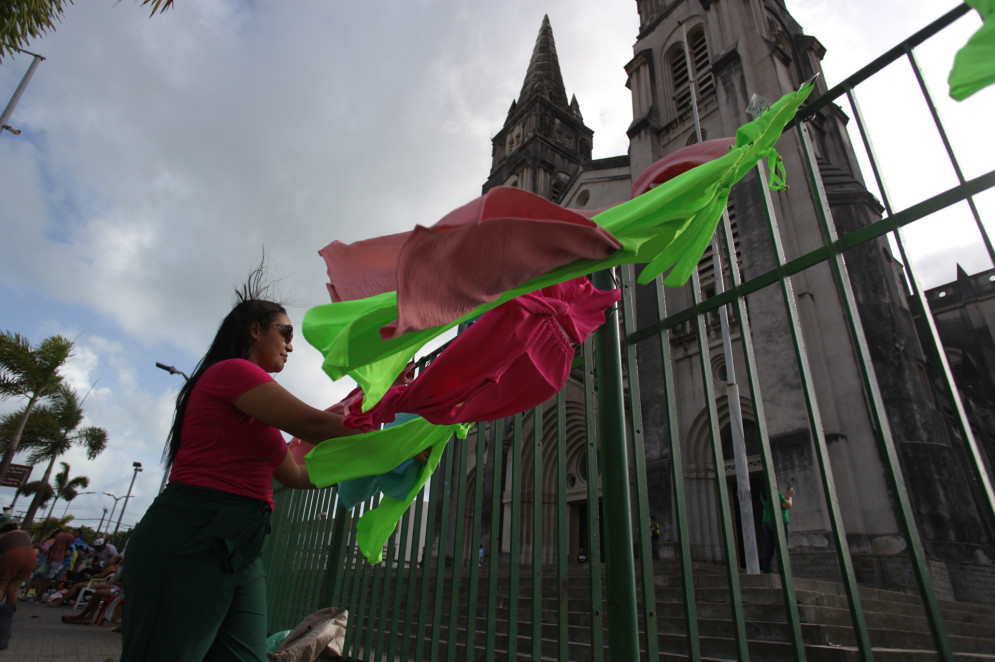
158, 157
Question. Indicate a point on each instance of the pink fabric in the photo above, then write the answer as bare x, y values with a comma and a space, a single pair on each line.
221, 447
513, 358
500, 240
679, 162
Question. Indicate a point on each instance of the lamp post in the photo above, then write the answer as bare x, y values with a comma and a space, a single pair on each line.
68, 502
173, 371
138, 467
101, 525
111, 518
18, 92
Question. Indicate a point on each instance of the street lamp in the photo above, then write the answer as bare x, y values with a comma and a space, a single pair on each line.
111, 518
173, 371
5, 115
138, 467
100, 526
68, 502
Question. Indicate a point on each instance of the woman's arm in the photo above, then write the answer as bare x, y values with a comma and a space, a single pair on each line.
291, 474
275, 406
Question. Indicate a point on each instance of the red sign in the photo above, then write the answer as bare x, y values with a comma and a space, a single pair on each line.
16, 476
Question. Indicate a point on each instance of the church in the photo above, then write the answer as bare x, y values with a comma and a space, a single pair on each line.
783, 362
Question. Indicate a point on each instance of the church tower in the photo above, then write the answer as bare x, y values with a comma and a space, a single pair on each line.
544, 141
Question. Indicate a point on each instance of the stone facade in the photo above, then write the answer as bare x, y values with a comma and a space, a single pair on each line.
740, 52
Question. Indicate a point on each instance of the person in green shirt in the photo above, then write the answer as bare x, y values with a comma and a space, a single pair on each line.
770, 543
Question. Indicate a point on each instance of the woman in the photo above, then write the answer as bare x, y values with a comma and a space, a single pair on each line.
17, 561
193, 580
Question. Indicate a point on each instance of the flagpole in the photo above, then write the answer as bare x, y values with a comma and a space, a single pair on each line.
744, 493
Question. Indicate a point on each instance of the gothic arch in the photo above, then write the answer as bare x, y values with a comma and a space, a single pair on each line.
700, 475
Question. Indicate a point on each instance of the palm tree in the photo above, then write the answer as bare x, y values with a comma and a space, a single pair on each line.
21, 20
66, 488
29, 372
52, 432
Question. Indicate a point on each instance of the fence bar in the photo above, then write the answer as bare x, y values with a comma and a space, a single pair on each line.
403, 570
760, 424
623, 625
594, 502
883, 429
934, 346
472, 606
515, 526
638, 449
415, 572
677, 480
461, 552
437, 488
445, 477
497, 481
562, 546
537, 501
950, 152
722, 490
819, 441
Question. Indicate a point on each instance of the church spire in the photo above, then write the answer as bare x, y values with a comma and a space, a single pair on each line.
544, 78
544, 141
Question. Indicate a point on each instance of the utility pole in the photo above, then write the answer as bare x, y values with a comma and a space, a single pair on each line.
101, 525
747, 525
18, 92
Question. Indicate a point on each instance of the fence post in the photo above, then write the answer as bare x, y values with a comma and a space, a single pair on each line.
623, 623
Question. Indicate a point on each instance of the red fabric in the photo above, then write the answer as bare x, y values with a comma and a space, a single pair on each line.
222, 448
59, 546
511, 359
679, 162
498, 241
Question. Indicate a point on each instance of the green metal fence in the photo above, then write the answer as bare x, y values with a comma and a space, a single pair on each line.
557, 497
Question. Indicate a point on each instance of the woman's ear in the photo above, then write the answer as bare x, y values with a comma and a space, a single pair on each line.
255, 330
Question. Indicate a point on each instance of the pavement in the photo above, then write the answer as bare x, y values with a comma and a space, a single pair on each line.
40, 634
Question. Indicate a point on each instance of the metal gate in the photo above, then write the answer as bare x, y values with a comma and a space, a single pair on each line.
533, 539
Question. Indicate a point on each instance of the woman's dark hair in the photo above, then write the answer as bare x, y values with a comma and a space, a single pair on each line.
12, 526
232, 341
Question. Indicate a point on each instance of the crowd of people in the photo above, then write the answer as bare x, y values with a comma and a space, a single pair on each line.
55, 570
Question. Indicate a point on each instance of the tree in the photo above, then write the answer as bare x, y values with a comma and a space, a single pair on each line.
28, 372
22, 20
67, 488
52, 432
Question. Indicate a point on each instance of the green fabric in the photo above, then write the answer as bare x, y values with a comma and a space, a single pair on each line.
974, 64
375, 453
671, 225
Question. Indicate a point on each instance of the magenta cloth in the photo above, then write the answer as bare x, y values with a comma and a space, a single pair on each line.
511, 359
679, 162
498, 241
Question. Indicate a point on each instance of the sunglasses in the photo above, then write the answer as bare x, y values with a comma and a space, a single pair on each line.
286, 330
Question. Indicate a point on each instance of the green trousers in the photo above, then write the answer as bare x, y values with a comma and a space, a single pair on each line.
194, 584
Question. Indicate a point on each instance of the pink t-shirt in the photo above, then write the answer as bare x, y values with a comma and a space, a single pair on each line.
221, 447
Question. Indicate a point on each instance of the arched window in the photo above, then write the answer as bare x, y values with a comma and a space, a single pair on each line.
701, 65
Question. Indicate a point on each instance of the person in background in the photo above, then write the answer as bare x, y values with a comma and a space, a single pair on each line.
17, 562
102, 553
770, 543
55, 568
193, 578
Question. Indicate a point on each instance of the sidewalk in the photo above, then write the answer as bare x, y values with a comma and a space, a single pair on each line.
40, 634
